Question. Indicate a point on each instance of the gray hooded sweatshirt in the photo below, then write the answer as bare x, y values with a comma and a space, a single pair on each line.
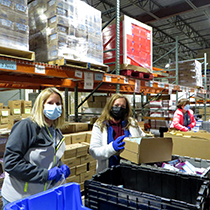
30, 152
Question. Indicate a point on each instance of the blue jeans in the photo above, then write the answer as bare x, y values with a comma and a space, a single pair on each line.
5, 202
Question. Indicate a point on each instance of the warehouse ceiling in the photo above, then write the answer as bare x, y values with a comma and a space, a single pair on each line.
185, 20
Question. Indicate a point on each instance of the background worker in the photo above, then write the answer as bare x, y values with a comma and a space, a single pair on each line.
32, 158
114, 124
183, 118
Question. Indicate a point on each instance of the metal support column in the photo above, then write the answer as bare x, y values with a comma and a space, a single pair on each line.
20, 93
142, 107
76, 103
117, 43
177, 69
205, 84
66, 104
134, 105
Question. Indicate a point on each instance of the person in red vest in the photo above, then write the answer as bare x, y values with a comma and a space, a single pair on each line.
183, 118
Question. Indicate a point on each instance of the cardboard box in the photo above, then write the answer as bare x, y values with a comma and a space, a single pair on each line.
81, 168
4, 112
135, 45
92, 165
72, 161
70, 152
75, 150
86, 176
78, 137
147, 150
26, 107
66, 128
82, 150
11, 121
3, 126
74, 127
3, 120
86, 159
67, 138
190, 144
73, 179
88, 136
73, 170
15, 107
77, 127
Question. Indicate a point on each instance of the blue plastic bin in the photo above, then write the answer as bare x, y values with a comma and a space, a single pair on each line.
64, 197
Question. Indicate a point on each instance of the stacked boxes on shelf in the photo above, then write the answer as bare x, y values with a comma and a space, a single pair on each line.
76, 156
26, 107
135, 43
14, 29
160, 109
65, 29
189, 73
16, 110
4, 114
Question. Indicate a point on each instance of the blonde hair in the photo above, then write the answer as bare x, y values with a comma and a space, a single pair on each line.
182, 102
37, 114
106, 116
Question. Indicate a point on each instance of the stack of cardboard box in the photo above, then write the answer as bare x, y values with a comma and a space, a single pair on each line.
81, 164
15, 111
76, 156
65, 29
135, 44
189, 73
14, 29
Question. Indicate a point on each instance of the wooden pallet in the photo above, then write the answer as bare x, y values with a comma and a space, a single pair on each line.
17, 54
131, 67
79, 64
137, 74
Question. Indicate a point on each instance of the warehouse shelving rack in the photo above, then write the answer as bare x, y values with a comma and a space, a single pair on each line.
20, 73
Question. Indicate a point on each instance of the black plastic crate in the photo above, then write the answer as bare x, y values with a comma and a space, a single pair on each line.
197, 162
133, 187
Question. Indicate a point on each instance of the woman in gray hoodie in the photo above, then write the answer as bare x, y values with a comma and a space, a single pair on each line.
32, 158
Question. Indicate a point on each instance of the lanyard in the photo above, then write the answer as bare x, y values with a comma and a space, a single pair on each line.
56, 145
54, 139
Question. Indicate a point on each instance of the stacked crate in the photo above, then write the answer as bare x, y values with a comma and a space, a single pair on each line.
65, 29
14, 29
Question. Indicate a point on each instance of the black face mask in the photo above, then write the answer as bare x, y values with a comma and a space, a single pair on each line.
118, 112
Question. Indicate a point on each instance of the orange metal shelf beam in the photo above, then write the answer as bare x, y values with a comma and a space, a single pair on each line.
33, 74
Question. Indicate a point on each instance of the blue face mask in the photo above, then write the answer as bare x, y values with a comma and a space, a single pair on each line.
52, 111
187, 107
